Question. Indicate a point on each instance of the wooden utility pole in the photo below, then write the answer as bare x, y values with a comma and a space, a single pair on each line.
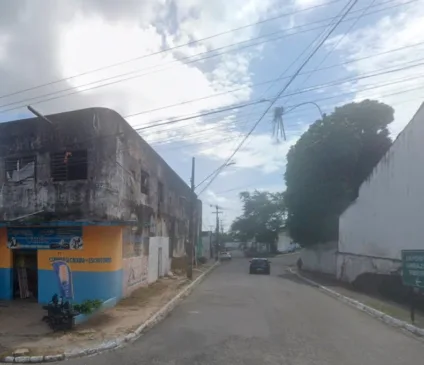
210, 242
217, 212
191, 234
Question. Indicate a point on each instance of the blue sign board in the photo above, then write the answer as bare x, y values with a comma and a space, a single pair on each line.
47, 238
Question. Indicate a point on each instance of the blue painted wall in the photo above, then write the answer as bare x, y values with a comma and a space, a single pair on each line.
87, 285
6, 284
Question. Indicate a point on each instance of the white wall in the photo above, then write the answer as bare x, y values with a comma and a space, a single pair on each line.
154, 244
135, 275
321, 258
283, 243
205, 246
388, 214
349, 267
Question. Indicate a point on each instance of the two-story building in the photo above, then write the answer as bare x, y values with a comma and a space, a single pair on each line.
85, 189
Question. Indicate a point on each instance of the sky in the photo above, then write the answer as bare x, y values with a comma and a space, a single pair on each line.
154, 61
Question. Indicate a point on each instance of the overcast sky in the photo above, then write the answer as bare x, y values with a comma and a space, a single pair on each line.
42, 41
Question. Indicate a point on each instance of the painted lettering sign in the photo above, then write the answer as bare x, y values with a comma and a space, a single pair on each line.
413, 268
82, 260
54, 238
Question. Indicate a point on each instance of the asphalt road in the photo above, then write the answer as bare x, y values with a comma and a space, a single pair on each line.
235, 318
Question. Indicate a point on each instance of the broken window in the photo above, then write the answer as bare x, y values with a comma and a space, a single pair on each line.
69, 165
144, 182
20, 168
161, 196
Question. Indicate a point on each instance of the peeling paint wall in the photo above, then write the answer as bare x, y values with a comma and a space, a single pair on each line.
92, 198
350, 267
115, 188
167, 195
387, 216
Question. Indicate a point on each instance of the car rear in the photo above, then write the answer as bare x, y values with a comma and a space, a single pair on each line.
260, 266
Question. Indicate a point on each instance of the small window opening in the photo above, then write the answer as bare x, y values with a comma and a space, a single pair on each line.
20, 168
182, 204
160, 192
69, 165
144, 182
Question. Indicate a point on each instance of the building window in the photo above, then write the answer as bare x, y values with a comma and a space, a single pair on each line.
144, 182
69, 165
161, 195
183, 203
20, 168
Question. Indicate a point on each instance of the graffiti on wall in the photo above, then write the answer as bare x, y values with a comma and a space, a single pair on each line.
135, 273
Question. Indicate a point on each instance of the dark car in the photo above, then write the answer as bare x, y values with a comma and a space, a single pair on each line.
260, 265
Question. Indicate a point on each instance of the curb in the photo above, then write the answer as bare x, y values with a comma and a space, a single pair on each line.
391, 321
120, 341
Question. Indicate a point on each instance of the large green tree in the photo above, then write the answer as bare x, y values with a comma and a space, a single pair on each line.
327, 165
263, 217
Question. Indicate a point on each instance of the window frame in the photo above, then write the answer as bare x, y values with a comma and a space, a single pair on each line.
30, 157
56, 168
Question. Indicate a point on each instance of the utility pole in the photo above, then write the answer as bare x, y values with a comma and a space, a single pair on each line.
191, 223
210, 242
217, 212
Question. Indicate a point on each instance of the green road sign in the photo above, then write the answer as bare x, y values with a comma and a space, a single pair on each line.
413, 268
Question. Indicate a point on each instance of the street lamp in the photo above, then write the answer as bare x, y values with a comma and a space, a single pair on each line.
280, 111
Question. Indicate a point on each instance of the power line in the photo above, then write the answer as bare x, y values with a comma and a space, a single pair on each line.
77, 161
336, 45
78, 90
353, 3
331, 97
313, 88
158, 122
258, 84
221, 110
169, 49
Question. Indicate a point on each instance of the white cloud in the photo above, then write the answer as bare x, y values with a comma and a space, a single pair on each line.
84, 35
390, 32
261, 151
213, 198
308, 3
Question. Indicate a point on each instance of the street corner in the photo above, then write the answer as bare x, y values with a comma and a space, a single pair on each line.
106, 331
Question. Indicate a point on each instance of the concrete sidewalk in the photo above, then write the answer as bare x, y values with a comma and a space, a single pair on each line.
392, 313
106, 327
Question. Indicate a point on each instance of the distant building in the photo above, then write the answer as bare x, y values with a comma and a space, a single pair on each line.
387, 216
89, 191
284, 241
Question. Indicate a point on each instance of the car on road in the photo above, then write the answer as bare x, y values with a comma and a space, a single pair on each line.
225, 256
260, 265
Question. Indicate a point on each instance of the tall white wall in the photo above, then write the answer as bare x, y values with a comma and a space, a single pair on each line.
388, 214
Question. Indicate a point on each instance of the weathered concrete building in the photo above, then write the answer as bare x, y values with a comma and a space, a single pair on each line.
387, 216
87, 190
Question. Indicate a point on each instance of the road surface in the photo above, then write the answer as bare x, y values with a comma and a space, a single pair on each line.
235, 318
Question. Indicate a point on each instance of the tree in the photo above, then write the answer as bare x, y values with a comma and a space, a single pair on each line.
262, 218
327, 165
